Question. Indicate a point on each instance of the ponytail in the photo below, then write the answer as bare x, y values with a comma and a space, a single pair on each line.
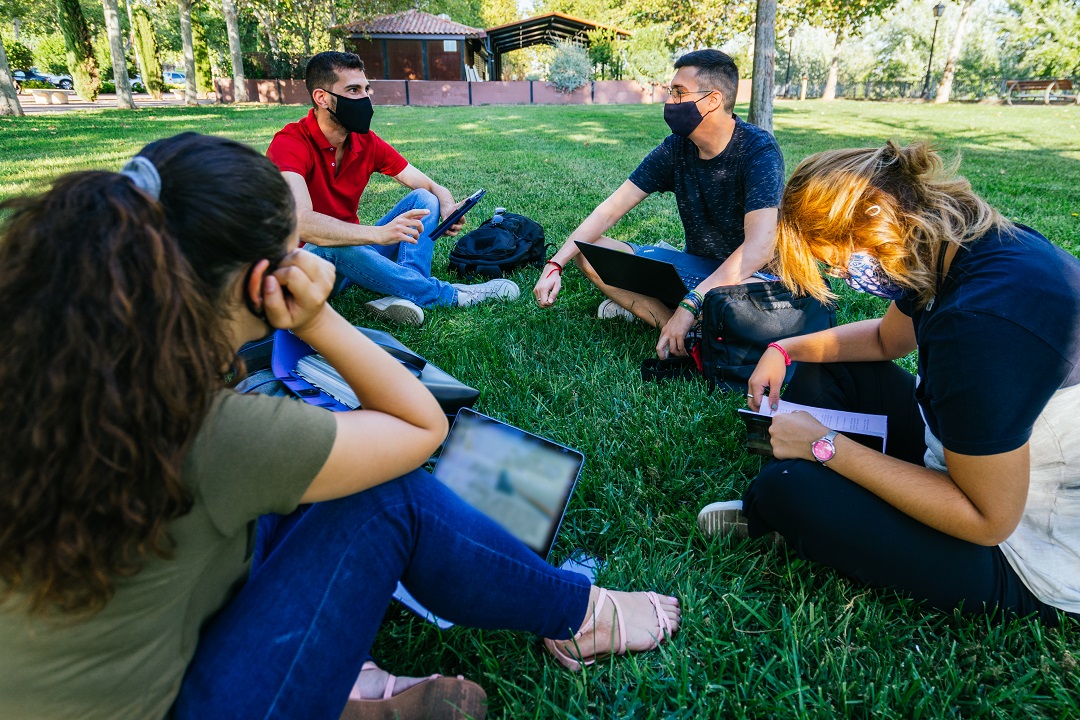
111, 355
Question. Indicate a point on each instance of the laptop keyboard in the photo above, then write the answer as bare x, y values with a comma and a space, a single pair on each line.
691, 281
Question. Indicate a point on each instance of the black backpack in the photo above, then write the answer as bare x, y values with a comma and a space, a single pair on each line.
504, 242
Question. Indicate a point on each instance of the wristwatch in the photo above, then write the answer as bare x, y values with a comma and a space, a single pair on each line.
824, 449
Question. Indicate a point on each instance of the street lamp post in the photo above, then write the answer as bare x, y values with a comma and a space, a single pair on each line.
787, 77
938, 10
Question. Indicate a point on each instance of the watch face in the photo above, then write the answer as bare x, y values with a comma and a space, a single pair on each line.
823, 449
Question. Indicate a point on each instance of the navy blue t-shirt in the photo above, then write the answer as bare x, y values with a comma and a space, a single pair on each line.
713, 196
1000, 339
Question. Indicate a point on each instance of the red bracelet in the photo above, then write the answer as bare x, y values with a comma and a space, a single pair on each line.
552, 262
787, 358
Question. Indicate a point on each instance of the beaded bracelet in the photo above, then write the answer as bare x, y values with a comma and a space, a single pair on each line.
692, 302
787, 358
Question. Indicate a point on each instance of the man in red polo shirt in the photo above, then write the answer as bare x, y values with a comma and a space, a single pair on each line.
327, 158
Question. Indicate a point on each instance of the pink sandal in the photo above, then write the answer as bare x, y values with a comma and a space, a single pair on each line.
437, 698
559, 648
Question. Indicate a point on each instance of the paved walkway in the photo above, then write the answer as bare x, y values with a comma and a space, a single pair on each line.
104, 102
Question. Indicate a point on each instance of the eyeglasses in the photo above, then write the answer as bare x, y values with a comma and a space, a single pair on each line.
677, 95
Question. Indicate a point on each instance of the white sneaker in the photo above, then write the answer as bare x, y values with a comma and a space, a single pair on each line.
609, 310
398, 310
497, 289
726, 518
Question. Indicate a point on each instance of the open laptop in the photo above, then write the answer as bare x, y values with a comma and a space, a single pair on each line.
667, 275
521, 481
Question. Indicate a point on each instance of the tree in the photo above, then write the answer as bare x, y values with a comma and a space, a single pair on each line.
19, 56
761, 97
944, 90
80, 49
119, 62
1044, 36
149, 61
204, 76
498, 12
842, 17
190, 96
9, 99
648, 56
236, 57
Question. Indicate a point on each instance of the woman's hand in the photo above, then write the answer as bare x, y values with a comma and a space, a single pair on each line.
768, 375
792, 435
294, 295
548, 286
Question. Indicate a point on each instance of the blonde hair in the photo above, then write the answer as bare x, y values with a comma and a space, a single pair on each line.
901, 204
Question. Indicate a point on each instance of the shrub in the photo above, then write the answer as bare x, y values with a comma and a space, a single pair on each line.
108, 86
37, 85
19, 56
570, 67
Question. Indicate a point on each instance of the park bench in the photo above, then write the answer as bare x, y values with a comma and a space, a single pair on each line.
49, 97
1047, 90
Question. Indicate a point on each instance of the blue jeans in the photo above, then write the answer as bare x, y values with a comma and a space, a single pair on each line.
403, 270
291, 643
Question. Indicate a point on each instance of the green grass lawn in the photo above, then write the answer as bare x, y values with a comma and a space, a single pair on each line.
764, 634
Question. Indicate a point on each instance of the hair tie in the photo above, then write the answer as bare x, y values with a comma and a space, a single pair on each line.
143, 175
873, 210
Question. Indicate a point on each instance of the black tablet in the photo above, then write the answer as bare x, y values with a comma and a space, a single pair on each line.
458, 214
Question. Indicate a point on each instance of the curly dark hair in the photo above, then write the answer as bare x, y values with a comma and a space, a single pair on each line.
114, 345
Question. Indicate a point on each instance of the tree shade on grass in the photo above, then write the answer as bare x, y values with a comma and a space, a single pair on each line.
764, 634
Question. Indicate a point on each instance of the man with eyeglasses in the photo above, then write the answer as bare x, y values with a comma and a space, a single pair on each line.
327, 159
727, 177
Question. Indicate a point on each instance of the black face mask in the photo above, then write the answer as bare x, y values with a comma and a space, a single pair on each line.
354, 114
683, 117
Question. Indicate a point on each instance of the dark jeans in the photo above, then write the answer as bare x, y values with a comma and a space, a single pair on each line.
828, 519
291, 643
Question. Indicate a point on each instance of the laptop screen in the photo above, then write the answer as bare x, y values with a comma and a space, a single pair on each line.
520, 480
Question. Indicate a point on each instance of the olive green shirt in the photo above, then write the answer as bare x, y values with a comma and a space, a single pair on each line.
253, 455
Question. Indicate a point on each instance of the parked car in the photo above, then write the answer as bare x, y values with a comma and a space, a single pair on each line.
61, 81
64, 82
174, 78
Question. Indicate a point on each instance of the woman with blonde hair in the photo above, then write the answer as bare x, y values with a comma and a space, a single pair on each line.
171, 548
975, 503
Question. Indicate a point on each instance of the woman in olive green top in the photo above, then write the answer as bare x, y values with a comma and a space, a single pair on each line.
133, 483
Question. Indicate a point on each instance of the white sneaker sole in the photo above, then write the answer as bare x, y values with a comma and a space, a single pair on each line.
399, 314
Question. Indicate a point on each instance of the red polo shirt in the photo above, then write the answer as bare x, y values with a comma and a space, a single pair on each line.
301, 147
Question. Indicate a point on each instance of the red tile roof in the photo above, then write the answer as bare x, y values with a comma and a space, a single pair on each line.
412, 22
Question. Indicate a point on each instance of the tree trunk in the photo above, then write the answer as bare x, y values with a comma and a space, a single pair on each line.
269, 23
237, 58
944, 90
139, 63
761, 97
834, 68
190, 96
116, 50
9, 99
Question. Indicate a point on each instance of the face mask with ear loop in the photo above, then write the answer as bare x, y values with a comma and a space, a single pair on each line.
353, 114
684, 117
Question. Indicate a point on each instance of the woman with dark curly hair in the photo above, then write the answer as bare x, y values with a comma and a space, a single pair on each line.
975, 503
132, 479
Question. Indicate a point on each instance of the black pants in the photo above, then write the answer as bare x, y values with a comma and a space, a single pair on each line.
828, 519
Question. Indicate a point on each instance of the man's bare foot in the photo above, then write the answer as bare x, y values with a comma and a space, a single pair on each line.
648, 619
